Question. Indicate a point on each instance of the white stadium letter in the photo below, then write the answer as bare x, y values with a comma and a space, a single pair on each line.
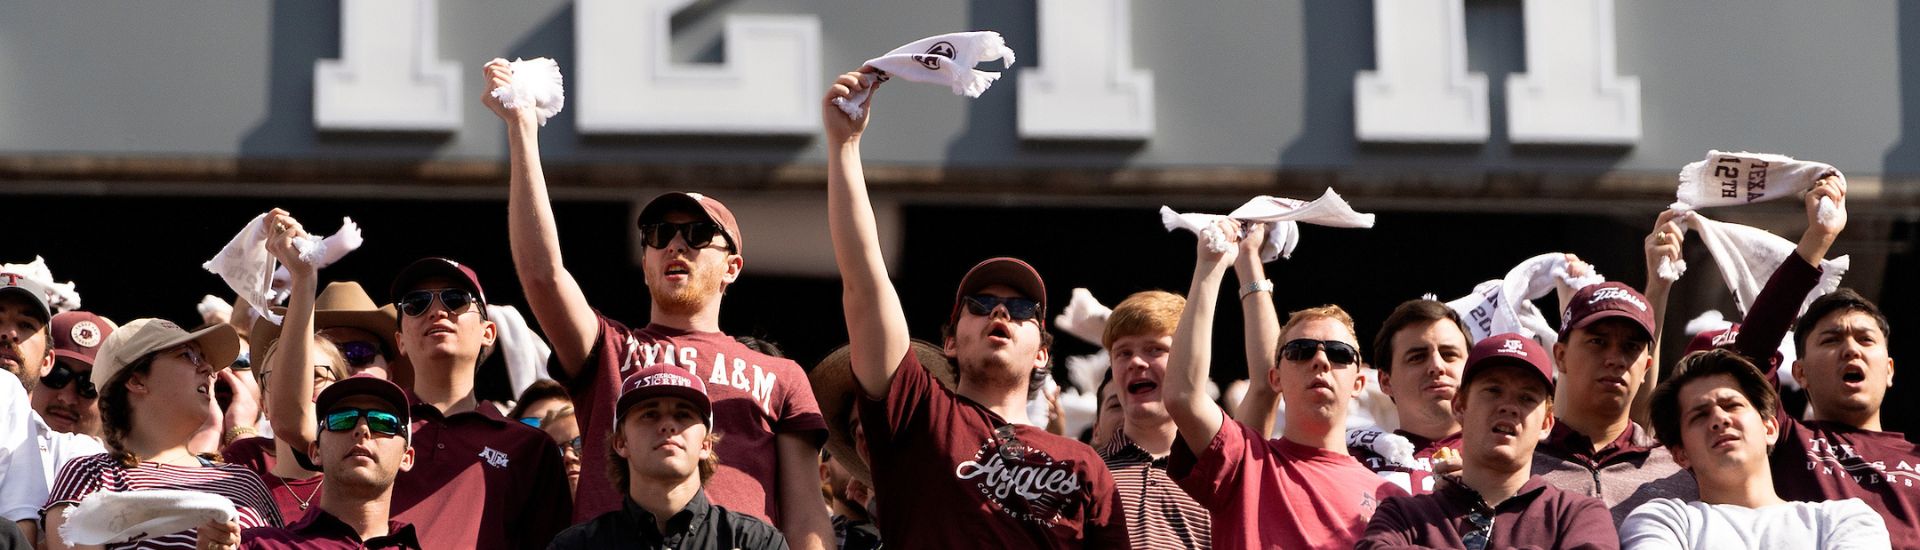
1086, 86
627, 83
1570, 92
389, 76
1420, 90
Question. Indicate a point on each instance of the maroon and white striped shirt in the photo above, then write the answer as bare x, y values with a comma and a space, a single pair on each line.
87, 475
1160, 515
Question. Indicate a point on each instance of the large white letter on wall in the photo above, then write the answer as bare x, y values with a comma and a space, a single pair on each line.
627, 82
1570, 92
389, 76
1420, 90
1086, 86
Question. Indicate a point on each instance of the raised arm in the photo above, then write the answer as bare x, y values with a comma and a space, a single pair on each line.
1663, 243
1262, 325
290, 367
876, 325
555, 298
1197, 418
1771, 316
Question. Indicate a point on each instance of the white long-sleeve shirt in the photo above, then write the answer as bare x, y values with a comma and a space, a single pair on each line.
1834, 524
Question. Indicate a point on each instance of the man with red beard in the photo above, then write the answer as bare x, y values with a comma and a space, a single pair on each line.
693, 251
956, 468
1302, 490
1505, 407
1138, 339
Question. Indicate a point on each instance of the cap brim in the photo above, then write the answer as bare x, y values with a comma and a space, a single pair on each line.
72, 356
1603, 315
657, 209
220, 343
1012, 273
39, 302
428, 269
363, 385
700, 400
1502, 361
837, 392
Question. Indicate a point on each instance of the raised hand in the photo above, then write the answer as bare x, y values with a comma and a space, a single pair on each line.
498, 74
1663, 243
282, 230
840, 127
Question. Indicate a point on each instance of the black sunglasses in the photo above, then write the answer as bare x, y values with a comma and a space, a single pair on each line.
415, 303
380, 422
358, 354
698, 234
61, 375
1338, 353
1018, 309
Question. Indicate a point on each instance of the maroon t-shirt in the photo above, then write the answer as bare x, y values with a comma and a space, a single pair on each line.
480, 480
292, 496
1539, 516
1416, 479
1818, 461
755, 397
946, 474
1277, 493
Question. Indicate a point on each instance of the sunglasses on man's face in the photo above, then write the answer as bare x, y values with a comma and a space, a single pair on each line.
416, 303
379, 422
1018, 309
61, 375
359, 354
1303, 349
697, 234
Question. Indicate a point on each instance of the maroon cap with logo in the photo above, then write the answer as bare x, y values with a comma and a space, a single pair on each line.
1724, 338
1013, 273
665, 381
77, 335
1507, 349
427, 268
1605, 301
693, 203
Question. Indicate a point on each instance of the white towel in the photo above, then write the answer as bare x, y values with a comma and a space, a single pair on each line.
537, 84
1395, 448
1747, 257
945, 59
334, 247
248, 269
1506, 305
1282, 216
526, 353
1727, 179
1085, 371
1084, 317
109, 517
212, 308
63, 297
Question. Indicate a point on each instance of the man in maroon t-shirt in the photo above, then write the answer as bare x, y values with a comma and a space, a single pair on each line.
764, 408
956, 468
1300, 491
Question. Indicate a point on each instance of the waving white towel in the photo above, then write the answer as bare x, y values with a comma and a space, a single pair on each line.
1084, 317
248, 269
537, 84
63, 297
109, 517
1282, 216
1506, 304
945, 59
334, 247
1747, 257
1727, 179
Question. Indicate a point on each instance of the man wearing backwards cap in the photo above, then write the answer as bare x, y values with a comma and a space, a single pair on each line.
693, 252
480, 479
63, 423
1505, 406
25, 349
957, 467
662, 454
363, 446
1595, 449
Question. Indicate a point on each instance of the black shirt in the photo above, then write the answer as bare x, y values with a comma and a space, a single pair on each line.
699, 526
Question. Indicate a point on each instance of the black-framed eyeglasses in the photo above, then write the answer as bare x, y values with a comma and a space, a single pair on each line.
1482, 532
1018, 309
575, 444
359, 354
380, 422
697, 234
1302, 349
415, 303
1011, 448
60, 375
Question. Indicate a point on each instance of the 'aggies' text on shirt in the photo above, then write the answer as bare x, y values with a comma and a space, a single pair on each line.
734, 372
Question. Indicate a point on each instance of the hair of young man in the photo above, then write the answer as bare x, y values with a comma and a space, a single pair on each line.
1407, 314
540, 390
1152, 313
617, 465
1706, 364
1301, 317
1844, 299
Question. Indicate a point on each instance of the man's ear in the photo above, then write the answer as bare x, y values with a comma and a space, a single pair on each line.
137, 385
949, 347
313, 451
1273, 377
735, 264
406, 459
1800, 371
489, 331
619, 443
1386, 382
399, 345
1680, 457
1889, 372
1773, 431
1559, 358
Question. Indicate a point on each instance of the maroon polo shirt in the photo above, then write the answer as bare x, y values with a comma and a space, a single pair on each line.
1539, 516
322, 531
481, 481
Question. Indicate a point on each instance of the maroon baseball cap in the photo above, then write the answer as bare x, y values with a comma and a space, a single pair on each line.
1013, 273
368, 385
1507, 349
1604, 301
693, 203
77, 335
665, 381
1723, 338
427, 268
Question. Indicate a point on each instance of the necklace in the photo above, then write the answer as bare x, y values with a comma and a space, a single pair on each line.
296, 496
